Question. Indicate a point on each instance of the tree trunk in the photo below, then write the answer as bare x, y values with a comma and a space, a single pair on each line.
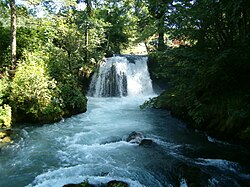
161, 44
89, 10
89, 7
13, 31
86, 43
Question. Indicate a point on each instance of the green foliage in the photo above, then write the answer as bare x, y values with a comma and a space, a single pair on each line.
4, 46
120, 24
213, 24
4, 90
74, 101
207, 75
34, 93
150, 103
5, 116
210, 92
86, 183
5, 109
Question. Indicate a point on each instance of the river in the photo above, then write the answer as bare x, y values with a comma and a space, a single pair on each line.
92, 146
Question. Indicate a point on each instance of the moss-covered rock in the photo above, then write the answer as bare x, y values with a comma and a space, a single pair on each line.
112, 183
116, 183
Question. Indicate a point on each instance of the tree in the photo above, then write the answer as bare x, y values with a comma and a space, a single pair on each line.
159, 10
13, 31
213, 24
208, 74
88, 16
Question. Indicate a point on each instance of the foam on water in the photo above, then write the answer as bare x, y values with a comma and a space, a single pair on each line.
214, 140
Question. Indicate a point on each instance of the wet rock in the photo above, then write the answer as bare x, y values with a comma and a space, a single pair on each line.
104, 174
194, 176
113, 183
146, 142
116, 183
135, 137
138, 138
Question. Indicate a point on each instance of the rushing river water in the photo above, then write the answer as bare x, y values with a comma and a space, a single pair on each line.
92, 146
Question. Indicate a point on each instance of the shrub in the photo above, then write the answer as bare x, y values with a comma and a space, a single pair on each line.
5, 116
35, 96
4, 89
74, 101
5, 109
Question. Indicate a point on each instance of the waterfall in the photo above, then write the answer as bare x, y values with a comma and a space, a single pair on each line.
122, 76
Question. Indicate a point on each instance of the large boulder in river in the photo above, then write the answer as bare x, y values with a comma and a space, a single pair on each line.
138, 138
135, 137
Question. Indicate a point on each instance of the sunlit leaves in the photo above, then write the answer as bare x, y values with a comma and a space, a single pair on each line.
5, 116
33, 91
5, 109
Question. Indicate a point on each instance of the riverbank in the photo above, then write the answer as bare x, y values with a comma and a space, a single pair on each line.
209, 90
217, 126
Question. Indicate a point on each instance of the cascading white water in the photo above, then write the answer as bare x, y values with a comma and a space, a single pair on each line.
122, 76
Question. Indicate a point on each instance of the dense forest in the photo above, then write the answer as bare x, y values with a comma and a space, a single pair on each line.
198, 51
209, 71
